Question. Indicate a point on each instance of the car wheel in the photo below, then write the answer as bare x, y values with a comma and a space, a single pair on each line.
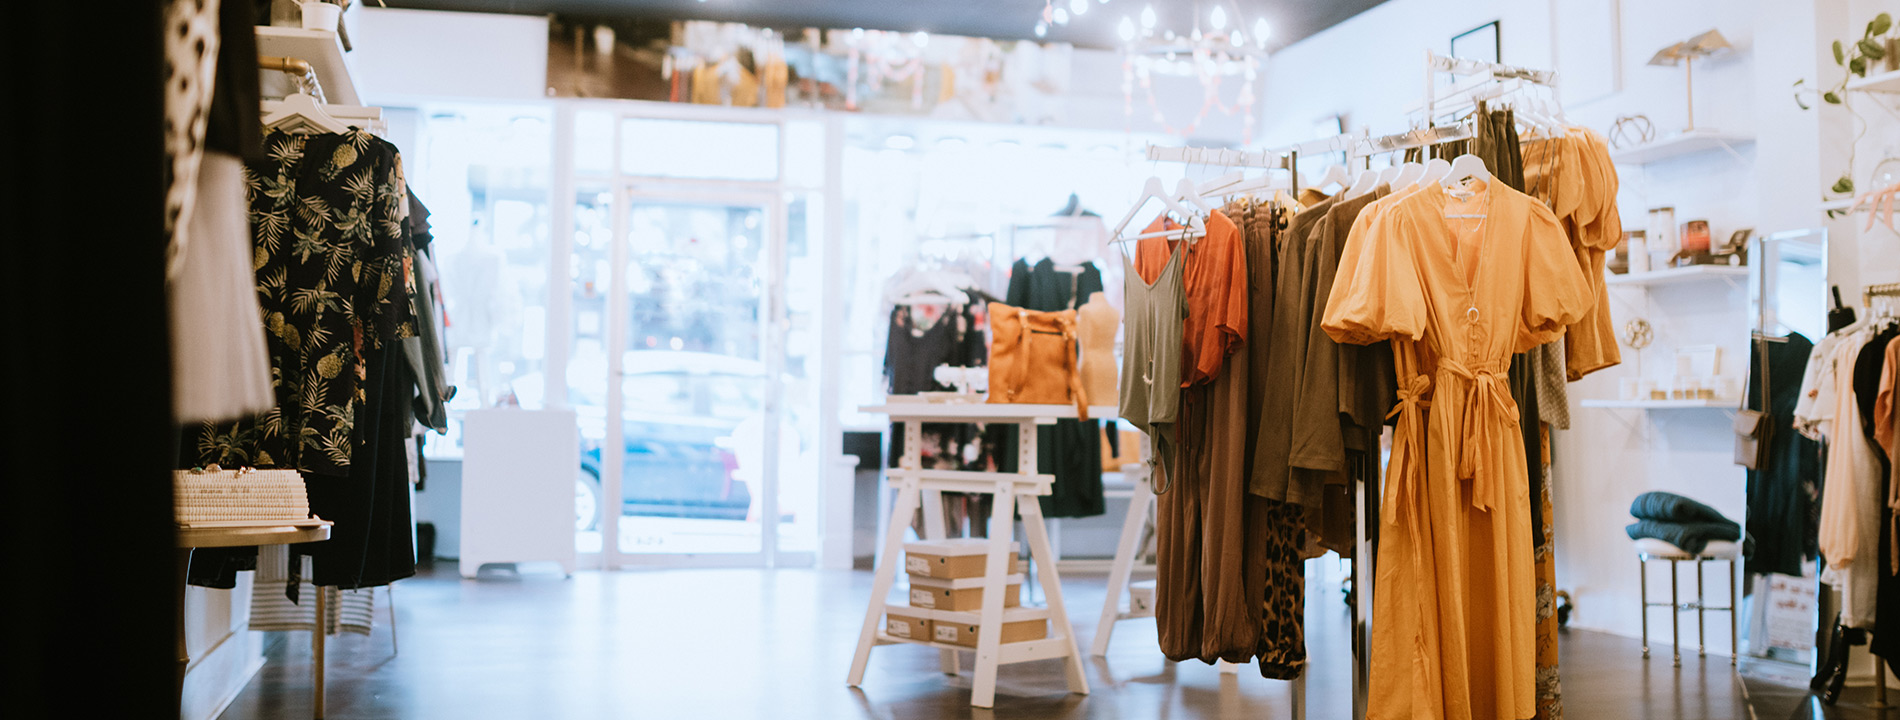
586, 500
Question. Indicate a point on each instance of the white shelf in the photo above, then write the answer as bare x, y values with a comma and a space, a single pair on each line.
1841, 204
1680, 275
321, 49
1887, 82
1662, 404
1694, 141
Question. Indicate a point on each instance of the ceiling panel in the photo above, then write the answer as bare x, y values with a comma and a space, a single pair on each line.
1292, 20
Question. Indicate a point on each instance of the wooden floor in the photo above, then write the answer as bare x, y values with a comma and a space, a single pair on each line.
759, 644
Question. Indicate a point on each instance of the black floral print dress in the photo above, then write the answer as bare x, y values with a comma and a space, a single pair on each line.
335, 278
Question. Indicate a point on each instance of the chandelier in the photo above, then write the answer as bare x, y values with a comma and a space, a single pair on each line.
1220, 44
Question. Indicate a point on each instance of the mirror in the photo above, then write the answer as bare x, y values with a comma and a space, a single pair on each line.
1786, 604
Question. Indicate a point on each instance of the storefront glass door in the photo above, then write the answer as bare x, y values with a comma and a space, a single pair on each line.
693, 377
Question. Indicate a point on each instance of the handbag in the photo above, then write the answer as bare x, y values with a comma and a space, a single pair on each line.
1752, 428
1032, 358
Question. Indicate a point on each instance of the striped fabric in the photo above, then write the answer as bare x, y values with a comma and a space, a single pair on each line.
346, 610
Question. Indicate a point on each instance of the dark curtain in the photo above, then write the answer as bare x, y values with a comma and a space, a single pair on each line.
85, 516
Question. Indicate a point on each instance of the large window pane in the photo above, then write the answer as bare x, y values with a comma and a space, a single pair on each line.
700, 150
591, 282
483, 171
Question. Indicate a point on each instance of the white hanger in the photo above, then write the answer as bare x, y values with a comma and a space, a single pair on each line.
1365, 184
931, 286
1466, 166
1435, 170
1390, 174
301, 110
1152, 190
1186, 190
1215, 186
1264, 182
1409, 174
1334, 175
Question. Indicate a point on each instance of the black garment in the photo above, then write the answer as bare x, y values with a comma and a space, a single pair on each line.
1782, 505
1886, 634
1867, 368
372, 543
1071, 449
419, 234
236, 122
335, 281
912, 353
86, 455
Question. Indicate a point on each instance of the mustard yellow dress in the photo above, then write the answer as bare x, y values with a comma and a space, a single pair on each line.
1454, 598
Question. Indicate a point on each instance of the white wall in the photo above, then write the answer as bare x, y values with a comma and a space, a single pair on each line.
413, 55
224, 653
1371, 67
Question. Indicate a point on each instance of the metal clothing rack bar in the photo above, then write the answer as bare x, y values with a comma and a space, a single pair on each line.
1435, 63
1228, 157
302, 71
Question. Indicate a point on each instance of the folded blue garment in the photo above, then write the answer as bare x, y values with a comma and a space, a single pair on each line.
1692, 537
1657, 505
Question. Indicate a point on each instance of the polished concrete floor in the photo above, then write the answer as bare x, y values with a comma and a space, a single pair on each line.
758, 644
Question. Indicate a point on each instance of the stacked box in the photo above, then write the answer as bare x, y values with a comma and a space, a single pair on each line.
965, 634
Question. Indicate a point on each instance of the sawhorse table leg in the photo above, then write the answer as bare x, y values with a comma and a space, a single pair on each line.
1118, 575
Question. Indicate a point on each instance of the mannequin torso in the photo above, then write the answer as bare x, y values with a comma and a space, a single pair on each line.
1096, 322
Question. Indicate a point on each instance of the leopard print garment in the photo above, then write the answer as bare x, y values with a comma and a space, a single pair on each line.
1282, 652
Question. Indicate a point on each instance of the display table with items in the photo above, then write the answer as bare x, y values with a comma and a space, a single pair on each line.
944, 575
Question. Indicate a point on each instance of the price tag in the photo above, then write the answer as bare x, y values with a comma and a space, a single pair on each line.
899, 628
923, 598
917, 565
946, 633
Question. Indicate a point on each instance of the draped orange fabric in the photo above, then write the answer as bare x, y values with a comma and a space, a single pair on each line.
1457, 296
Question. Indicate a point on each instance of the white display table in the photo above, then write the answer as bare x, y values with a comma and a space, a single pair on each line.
917, 487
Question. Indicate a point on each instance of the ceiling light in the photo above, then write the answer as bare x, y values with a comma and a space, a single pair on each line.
1042, 29
920, 37
1078, 6
1235, 39
1126, 29
1218, 18
1148, 17
1261, 30
1061, 16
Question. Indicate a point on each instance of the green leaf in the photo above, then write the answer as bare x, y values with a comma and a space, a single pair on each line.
1831, 98
1840, 57
1872, 50
1800, 102
1881, 24
1858, 66
1844, 185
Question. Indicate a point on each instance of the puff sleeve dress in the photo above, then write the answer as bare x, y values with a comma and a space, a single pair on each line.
1457, 296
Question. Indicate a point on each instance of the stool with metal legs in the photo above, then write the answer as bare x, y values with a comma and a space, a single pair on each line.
1648, 549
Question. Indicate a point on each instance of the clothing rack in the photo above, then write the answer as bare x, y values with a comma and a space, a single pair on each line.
1877, 291
1435, 63
1288, 160
299, 70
